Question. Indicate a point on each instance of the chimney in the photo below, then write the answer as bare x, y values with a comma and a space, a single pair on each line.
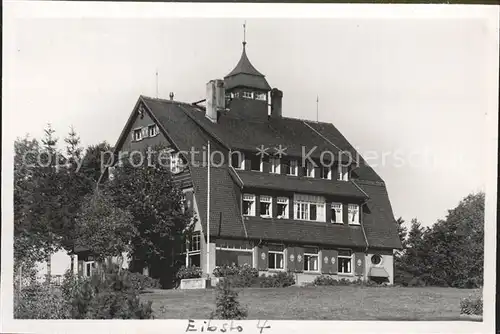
276, 99
216, 99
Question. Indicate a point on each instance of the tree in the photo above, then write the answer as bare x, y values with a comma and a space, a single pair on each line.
156, 204
91, 164
103, 228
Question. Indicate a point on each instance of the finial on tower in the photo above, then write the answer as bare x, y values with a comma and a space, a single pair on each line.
244, 34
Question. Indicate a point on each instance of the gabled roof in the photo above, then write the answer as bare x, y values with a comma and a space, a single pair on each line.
299, 184
187, 127
245, 75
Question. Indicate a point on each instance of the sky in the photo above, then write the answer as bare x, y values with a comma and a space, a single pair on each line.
417, 91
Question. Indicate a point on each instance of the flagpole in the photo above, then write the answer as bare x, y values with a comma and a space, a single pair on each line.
208, 208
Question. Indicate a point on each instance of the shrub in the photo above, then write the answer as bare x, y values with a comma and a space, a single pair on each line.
279, 280
227, 304
189, 272
109, 294
324, 280
239, 276
142, 282
471, 305
39, 301
225, 271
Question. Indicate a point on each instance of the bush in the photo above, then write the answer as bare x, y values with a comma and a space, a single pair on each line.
189, 272
142, 282
39, 301
226, 271
472, 306
227, 304
239, 276
110, 294
279, 280
325, 280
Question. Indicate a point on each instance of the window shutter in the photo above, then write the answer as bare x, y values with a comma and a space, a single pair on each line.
326, 264
257, 206
292, 259
300, 169
291, 207
317, 171
333, 261
274, 207
263, 257
299, 259
80, 268
248, 164
328, 212
359, 263
345, 213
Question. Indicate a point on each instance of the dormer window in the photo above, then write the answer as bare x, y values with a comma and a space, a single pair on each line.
248, 95
261, 96
137, 135
152, 130
248, 205
265, 206
343, 173
337, 216
325, 173
237, 160
282, 207
353, 210
175, 163
291, 167
275, 165
255, 163
309, 169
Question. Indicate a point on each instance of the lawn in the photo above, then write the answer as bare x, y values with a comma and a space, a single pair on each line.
319, 303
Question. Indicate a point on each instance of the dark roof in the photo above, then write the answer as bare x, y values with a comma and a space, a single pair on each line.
245, 75
244, 134
299, 184
225, 217
188, 127
304, 232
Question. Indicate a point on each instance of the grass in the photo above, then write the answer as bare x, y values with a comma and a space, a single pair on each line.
319, 303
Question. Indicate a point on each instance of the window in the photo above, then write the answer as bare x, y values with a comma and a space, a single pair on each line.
262, 160
261, 96
255, 163
275, 257
309, 169
137, 134
311, 259
175, 163
337, 216
152, 130
89, 268
291, 167
265, 206
194, 250
233, 253
353, 211
237, 160
343, 173
248, 205
376, 259
275, 165
248, 95
282, 207
309, 208
344, 261
325, 173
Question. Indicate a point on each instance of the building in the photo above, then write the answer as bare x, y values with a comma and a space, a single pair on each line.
327, 215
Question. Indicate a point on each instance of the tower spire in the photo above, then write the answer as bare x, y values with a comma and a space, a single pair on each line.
244, 33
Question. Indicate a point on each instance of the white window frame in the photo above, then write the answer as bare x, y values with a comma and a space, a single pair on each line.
175, 162
350, 257
248, 95
261, 96
242, 161
338, 207
329, 173
267, 200
92, 267
316, 255
139, 131
275, 165
195, 240
302, 207
343, 173
309, 169
354, 209
286, 201
275, 253
155, 131
293, 168
249, 198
